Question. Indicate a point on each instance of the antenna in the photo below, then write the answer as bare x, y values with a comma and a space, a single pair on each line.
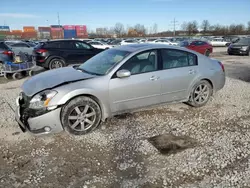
174, 23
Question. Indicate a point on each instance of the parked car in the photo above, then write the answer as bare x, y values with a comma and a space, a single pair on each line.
129, 41
6, 54
202, 47
86, 40
241, 47
117, 80
21, 47
219, 42
99, 45
161, 41
60, 53
116, 42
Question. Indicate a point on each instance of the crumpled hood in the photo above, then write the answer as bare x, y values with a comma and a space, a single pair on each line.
53, 78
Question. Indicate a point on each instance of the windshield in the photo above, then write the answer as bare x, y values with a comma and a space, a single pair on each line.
103, 62
244, 41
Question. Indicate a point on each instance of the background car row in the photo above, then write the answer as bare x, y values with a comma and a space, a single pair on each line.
58, 53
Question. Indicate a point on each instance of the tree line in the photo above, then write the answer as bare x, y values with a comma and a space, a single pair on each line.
190, 28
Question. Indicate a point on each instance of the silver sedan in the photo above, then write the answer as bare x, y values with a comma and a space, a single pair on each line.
115, 81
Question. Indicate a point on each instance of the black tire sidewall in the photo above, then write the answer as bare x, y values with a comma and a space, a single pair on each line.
191, 98
207, 53
80, 101
56, 59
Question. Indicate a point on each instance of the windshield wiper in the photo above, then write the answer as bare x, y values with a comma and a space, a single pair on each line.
83, 70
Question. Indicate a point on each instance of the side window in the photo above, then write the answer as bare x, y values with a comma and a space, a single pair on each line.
20, 45
52, 45
141, 63
3, 46
192, 59
66, 44
81, 45
177, 58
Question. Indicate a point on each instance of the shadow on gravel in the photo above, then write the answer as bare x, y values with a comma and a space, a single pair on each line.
238, 71
171, 144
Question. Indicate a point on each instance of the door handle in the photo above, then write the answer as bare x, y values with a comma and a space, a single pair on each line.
192, 71
153, 78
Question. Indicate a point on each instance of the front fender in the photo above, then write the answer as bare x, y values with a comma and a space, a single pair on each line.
101, 99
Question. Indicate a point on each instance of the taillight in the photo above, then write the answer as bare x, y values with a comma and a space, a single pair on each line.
41, 50
8, 53
222, 66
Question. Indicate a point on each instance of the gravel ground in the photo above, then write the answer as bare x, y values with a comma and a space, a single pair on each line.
118, 153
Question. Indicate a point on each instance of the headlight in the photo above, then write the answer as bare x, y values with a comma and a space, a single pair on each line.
244, 48
42, 99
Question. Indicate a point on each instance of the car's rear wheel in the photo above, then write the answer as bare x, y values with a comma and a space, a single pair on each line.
56, 63
200, 94
207, 53
81, 115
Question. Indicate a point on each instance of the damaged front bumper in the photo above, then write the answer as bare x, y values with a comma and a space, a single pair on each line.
44, 123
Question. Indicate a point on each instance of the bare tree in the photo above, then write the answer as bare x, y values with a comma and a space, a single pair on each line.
155, 28
192, 27
248, 27
140, 29
205, 26
184, 26
119, 29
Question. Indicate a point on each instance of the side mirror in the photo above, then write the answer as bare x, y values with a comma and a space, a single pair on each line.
192, 45
123, 73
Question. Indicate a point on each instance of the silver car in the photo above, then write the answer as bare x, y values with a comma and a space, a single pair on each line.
77, 99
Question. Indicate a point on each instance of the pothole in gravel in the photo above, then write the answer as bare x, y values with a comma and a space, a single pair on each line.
171, 144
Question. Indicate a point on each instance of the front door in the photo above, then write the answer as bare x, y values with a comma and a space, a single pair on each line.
83, 51
141, 89
179, 72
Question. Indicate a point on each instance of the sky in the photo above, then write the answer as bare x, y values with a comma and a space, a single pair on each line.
100, 13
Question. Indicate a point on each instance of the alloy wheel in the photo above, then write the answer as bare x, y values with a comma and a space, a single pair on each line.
56, 64
201, 94
82, 118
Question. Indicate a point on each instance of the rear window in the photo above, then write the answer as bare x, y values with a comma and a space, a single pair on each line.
3, 46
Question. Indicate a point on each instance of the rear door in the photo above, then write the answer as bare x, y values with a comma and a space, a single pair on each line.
83, 51
179, 70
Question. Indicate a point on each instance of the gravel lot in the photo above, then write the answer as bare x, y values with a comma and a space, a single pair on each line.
118, 153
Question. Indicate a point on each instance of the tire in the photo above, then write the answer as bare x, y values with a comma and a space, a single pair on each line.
194, 94
73, 115
56, 63
1, 68
7, 76
207, 52
17, 76
248, 53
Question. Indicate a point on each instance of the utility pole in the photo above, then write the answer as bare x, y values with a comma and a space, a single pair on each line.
174, 23
58, 20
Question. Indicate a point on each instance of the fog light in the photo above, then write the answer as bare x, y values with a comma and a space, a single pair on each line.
47, 129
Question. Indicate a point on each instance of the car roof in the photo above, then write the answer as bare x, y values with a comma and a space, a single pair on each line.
60, 40
145, 46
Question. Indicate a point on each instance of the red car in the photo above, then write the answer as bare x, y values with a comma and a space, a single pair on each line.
202, 47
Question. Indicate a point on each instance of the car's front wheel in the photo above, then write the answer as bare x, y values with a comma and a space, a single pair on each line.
200, 94
81, 115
